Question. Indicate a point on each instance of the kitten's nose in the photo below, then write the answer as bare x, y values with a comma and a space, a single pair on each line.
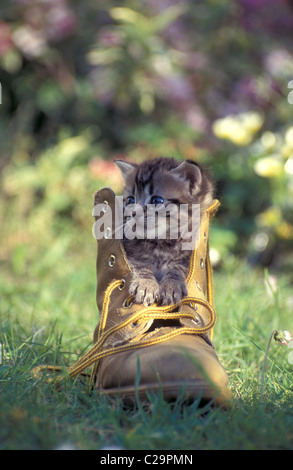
133, 213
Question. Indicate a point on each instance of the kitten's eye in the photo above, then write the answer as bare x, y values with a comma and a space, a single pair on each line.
156, 200
130, 200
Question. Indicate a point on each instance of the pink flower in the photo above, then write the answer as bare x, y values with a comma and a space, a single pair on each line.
6, 42
110, 38
104, 169
61, 22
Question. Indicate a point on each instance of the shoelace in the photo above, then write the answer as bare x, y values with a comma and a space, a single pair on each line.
96, 353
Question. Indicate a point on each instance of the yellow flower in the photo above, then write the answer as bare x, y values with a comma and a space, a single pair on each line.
239, 129
268, 140
241, 137
222, 127
229, 128
289, 166
285, 230
269, 218
252, 121
286, 151
269, 167
289, 137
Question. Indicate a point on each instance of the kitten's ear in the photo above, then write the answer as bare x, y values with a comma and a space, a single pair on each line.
190, 172
125, 167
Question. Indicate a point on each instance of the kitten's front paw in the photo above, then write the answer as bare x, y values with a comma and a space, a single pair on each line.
171, 292
145, 291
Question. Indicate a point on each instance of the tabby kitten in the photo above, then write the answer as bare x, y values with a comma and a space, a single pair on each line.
158, 261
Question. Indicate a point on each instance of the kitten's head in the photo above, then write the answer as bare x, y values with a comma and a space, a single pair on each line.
163, 183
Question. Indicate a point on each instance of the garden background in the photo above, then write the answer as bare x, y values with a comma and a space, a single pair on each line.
84, 83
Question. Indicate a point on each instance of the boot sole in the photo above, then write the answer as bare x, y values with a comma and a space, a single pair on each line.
171, 391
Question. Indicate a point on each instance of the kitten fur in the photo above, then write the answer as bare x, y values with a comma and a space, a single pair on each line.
160, 266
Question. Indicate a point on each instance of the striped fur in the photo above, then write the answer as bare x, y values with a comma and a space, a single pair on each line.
160, 266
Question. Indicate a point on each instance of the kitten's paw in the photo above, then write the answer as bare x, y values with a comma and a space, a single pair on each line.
145, 291
171, 292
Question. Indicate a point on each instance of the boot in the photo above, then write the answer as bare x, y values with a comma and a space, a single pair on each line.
141, 350
168, 349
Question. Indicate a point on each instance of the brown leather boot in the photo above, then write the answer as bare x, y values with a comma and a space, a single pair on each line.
137, 349
140, 349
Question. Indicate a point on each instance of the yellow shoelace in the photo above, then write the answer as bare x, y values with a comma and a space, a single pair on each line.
96, 353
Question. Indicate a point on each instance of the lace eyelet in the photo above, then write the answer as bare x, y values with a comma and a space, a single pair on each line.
193, 306
197, 285
126, 304
112, 261
105, 206
108, 233
123, 282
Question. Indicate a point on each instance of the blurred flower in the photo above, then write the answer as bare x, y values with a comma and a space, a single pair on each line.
268, 140
175, 88
286, 152
269, 167
29, 41
289, 166
196, 119
215, 257
261, 241
45, 20
110, 37
105, 171
269, 218
228, 128
279, 63
289, 137
285, 230
61, 21
240, 128
251, 121
283, 337
6, 42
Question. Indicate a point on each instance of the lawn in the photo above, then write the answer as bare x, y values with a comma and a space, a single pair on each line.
48, 316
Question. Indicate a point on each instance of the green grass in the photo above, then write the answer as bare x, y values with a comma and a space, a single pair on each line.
47, 316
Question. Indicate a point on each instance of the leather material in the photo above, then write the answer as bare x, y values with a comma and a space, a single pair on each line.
186, 361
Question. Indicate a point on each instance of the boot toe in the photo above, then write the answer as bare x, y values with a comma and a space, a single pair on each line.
184, 366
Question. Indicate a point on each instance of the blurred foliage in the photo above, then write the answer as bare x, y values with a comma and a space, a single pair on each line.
85, 82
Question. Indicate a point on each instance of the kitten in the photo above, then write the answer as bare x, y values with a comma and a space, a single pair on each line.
157, 259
